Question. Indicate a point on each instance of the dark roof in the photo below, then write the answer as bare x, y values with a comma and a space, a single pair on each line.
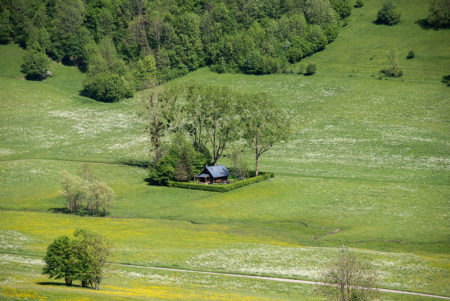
202, 175
218, 171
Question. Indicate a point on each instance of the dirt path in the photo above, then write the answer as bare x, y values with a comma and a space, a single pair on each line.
277, 279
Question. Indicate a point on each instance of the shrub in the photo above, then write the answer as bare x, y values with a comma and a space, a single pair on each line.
411, 55
359, 3
388, 14
446, 80
439, 14
223, 187
107, 87
342, 7
394, 70
35, 65
310, 69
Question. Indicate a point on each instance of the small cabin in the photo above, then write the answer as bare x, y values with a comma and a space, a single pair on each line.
213, 174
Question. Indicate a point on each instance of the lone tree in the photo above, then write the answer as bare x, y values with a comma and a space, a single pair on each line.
351, 279
388, 14
264, 124
82, 258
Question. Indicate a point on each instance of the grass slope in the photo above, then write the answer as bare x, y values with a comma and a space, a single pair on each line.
367, 166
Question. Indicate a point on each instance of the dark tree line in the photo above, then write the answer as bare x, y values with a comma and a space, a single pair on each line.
123, 44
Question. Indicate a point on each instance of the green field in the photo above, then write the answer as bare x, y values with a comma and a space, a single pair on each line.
367, 167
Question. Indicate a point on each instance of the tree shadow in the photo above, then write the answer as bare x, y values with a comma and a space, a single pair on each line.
52, 283
135, 163
423, 23
81, 212
60, 210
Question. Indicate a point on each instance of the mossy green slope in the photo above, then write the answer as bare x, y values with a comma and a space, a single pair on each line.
367, 166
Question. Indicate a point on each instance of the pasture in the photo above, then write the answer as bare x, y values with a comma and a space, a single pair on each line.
367, 167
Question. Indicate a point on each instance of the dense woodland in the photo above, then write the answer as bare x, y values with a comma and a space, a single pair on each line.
125, 43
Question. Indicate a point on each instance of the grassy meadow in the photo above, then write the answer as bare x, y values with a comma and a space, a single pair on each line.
367, 166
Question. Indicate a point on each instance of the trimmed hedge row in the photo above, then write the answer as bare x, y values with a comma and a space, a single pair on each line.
222, 187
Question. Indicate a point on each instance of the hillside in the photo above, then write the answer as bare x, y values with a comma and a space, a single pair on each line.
367, 166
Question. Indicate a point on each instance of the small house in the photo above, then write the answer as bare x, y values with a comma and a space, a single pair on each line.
213, 174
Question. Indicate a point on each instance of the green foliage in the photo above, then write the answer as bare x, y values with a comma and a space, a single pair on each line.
342, 7
86, 194
222, 187
181, 163
359, 3
5, 27
249, 38
311, 69
411, 55
394, 70
82, 258
91, 250
35, 65
60, 260
108, 78
107, 87
439, 14
388, 14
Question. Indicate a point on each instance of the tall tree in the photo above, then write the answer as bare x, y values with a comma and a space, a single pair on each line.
219, 118
92, 251
353, 278
60, 260
160, 111
264, 124
68, 36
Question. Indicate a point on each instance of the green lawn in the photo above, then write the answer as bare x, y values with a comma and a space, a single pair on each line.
367, 166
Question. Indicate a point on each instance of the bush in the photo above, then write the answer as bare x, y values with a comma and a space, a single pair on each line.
388, 14
446, 80
411, 55
391, 72
439, 14
35, 65
359, 3
310, 69
342, 7
223, 187
107, 87
394, 70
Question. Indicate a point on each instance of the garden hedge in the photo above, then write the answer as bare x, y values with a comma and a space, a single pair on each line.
222, 187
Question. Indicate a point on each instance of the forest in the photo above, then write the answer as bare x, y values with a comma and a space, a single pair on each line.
125, 44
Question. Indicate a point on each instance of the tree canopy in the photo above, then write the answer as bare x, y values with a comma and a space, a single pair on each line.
82, 258
125, 43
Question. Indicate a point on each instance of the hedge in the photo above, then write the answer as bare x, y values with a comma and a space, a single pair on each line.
222, 187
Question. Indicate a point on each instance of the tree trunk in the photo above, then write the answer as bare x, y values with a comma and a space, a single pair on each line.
256, 157
68, 282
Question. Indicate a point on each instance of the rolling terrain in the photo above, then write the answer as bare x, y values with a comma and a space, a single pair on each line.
367, 167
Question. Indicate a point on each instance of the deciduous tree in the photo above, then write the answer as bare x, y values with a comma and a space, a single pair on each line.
60, 261
264, 124
352, 279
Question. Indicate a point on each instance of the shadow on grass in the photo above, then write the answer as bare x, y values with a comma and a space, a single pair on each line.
78, 213
52, 283
423, 23
135, 163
